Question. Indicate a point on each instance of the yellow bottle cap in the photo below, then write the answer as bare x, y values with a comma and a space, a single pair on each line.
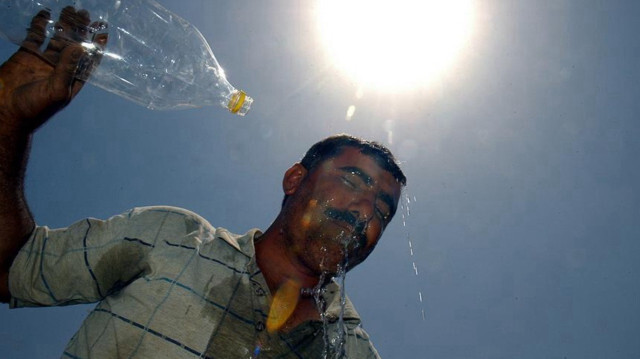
236, 101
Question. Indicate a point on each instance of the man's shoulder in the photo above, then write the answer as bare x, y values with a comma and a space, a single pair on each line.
193, 222
164, 210
169, 215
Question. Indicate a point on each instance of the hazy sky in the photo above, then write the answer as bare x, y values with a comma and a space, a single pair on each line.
525, 226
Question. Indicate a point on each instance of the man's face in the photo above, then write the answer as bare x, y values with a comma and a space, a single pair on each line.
338, 212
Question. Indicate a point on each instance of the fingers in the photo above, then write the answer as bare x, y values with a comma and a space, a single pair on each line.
72, 27
73, 24
37, 31
80, 24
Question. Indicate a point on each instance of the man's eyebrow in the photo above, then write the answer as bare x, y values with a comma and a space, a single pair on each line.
360, 173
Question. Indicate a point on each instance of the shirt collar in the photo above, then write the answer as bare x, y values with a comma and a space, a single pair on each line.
332, 297
245, 245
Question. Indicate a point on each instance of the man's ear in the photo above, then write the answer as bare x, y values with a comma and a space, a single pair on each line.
292, 178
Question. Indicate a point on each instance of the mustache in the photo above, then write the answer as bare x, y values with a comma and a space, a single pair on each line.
359, 226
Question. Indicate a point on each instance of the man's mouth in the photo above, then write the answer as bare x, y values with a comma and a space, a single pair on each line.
354, 228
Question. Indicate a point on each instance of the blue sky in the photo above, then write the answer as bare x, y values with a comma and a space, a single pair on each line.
525, 226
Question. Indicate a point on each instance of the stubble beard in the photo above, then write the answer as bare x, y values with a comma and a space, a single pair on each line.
328, 242
331, 254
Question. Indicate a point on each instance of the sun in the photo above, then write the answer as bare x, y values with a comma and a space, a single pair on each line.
394, 45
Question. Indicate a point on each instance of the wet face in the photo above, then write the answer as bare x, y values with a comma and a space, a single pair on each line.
336, 213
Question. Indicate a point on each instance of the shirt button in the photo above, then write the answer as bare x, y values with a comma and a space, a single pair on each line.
259, 326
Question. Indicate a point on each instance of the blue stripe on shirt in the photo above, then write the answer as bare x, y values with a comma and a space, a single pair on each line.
149, 330
205, 257
44, 281
86, 259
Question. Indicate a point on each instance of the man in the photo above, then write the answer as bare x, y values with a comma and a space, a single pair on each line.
170, 285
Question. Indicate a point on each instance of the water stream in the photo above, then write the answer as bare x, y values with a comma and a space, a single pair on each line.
405, 206
334, 345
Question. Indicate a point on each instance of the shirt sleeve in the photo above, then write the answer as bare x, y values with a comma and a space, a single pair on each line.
84, 262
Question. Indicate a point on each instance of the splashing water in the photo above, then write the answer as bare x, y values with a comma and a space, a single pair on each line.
334, 345
321, 305
342, 333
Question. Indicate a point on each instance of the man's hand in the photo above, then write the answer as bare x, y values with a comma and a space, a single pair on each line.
35, 83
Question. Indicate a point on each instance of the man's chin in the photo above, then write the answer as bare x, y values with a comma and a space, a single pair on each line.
342, 239
332, 268
338, 255
338, 267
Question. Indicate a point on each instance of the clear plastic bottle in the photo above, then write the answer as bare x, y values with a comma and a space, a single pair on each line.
153, 57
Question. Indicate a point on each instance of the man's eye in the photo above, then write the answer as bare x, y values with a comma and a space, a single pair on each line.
383, 215
383, 211
348, 182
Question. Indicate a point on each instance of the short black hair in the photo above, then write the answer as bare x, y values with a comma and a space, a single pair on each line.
333, 146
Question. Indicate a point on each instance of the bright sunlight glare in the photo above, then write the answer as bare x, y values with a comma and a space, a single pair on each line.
394, 45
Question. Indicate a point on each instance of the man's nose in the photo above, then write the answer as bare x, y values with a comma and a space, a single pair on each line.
362, 209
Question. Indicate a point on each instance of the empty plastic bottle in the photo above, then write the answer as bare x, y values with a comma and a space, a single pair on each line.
153, 57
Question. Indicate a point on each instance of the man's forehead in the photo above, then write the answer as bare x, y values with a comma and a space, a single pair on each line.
354, 157
366, 166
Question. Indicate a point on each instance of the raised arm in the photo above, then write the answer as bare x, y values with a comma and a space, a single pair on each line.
34, 85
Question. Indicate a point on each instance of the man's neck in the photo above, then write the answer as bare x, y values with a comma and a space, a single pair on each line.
276, 262
285, 274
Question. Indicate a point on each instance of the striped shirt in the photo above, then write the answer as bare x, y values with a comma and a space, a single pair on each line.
168, 285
